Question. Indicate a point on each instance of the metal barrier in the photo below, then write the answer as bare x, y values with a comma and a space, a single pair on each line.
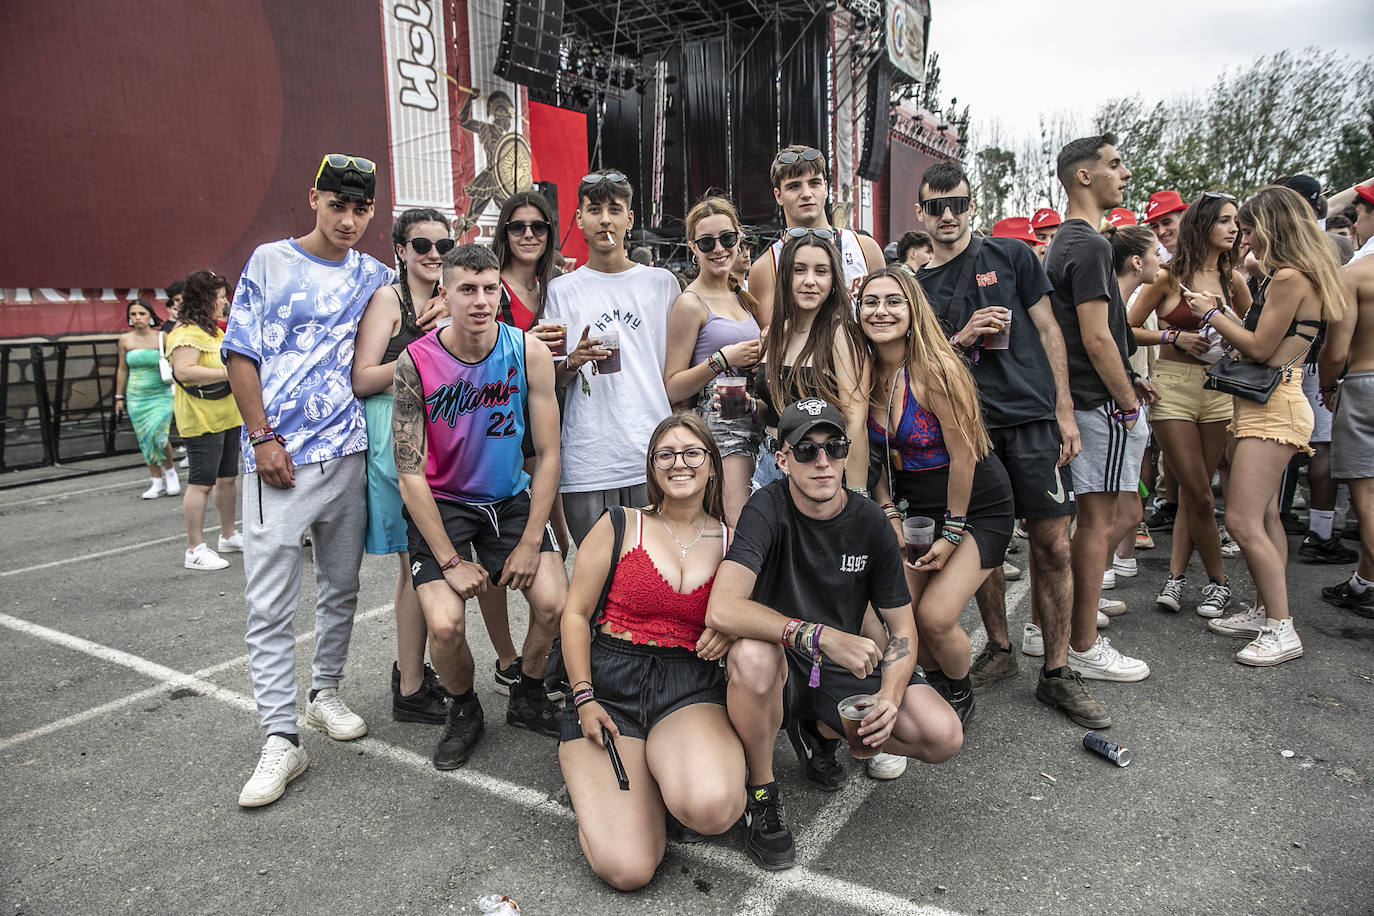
57, 402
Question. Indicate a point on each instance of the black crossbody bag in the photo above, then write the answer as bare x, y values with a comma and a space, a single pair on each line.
555, 672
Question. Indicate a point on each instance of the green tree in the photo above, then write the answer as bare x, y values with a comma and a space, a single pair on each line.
1353, 159
993, 175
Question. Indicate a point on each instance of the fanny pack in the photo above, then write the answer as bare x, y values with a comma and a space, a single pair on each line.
213, 392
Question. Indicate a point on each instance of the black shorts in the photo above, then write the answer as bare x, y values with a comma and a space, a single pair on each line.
492, 529
212, 456
639, 686
989, 510
800, 701
1030, 453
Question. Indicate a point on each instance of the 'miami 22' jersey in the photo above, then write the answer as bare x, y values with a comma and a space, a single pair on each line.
475, 416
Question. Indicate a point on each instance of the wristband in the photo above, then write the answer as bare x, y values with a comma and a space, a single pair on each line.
815, 647
1207, 318
790, 630
582, 698
588, 683
119, 397
862, 491
451, 564
725, 362
1123, 416
954, 537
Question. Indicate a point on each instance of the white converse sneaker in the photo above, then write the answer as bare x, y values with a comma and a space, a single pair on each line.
1102, 662
1215, 597
173, 482
156, 487
1229, 547
1109, 579
1171, 595
1125, 566
231, 544
886, 766
280, 762
1277, 642
1110, 607
1010, 572
1246, 624
329, 712
202, 557
1032, 641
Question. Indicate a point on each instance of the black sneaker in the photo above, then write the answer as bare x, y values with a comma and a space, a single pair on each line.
535, 713
766, 837
507, 676
463, 727
1343, 595
1163, 517
961, 698
1292, 524
1066, 691
429, 704
679, 832
1314, 550
817, 756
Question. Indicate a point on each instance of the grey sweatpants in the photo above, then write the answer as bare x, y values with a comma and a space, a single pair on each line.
330, 500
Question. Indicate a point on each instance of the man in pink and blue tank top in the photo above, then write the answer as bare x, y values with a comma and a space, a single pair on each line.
465, 395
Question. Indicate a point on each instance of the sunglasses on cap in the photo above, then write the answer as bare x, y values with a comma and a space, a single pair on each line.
599, 177
422, 245
665, 458
1218, 195
707, 243
936, 205
537, 228
798, 232
340, 161
808, 155
808, 451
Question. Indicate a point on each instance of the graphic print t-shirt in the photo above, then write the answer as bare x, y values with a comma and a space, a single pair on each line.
607, 419
296, 316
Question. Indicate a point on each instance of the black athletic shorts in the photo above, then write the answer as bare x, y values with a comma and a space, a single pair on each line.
639, 685
1030, 453
212, 456
800, 701
492, 529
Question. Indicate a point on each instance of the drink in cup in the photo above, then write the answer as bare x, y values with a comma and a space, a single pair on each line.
918, 534
999, 340
558, 347
852, 712
734, 401
609, 340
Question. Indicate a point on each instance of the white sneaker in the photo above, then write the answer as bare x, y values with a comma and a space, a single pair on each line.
1019, 530
1277, 642
329, 712
1124, 566
1109, 579
1215, 597
280, 762
1103, 621
1229, 548
1009, 572
173, 482
202, 557
1247, 623
156, 487
1032, 641
184, 462
1111, 607
1102, 662
886, 766
231, 544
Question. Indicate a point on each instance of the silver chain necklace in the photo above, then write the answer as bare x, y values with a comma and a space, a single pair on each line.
683, 548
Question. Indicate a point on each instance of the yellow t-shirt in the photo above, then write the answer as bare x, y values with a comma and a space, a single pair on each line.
197, 416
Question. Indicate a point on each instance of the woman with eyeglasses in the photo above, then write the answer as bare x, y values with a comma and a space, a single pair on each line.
813, 349
924, 418
1189, 420
646, 669
713, 334
391, 321
1303, 292
145, 397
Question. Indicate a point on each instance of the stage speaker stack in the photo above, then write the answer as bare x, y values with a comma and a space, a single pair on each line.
877, 118
531, 31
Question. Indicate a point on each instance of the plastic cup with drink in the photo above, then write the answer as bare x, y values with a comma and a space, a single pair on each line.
852, 712
734, 400
1001, 338
918, 534
609, 340
557, 347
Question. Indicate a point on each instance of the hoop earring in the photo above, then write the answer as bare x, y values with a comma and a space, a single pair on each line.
693, 259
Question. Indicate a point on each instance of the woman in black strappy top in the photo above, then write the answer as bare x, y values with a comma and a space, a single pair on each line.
1303, 291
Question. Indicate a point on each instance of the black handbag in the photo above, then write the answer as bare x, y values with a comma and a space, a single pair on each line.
1244, 378
555, 672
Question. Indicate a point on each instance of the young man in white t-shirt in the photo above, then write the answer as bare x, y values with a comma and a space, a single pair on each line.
801, 186
609, 408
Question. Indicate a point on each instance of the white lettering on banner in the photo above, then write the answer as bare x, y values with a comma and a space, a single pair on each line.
419, 71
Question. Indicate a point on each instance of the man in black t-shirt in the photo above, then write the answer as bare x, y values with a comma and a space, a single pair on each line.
974, 287
1108, 397
808, 558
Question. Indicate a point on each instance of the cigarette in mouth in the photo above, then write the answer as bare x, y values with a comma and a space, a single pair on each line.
610, 236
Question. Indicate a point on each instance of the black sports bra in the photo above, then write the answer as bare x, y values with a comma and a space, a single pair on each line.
1252, 318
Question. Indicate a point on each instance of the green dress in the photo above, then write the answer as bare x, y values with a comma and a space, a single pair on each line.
149, 402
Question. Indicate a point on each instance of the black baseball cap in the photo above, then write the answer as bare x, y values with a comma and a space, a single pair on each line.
347, 176
805, 415
1310, 189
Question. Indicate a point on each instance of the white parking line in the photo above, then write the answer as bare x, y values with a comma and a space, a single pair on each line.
775, 884
81, 558
67, 494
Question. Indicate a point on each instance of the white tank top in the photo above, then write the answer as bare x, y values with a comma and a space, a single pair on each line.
851, 256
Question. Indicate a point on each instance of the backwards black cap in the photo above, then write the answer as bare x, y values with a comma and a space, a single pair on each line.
347, 176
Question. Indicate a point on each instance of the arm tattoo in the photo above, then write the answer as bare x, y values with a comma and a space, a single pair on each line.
408, 418
897, 648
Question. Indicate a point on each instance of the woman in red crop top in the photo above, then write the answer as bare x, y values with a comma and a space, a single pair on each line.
650, 671
1188, 420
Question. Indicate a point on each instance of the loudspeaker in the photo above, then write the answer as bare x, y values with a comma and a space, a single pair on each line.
550, 192
531, 31
877, 119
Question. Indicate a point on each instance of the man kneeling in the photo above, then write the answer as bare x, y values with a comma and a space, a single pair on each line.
807, 559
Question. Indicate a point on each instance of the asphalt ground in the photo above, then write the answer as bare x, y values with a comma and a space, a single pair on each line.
128, 728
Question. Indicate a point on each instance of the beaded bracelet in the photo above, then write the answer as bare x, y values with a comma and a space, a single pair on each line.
954, 537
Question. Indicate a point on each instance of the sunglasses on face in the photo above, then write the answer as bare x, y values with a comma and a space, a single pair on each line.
807, 452
537, 228
422, 245
936, 205
665, 458
809, 155
797, 232
599, 177
707, 243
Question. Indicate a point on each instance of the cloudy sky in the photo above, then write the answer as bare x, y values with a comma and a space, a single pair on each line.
1011, 59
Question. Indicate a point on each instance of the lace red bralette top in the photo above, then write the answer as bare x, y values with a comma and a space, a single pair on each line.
642, 603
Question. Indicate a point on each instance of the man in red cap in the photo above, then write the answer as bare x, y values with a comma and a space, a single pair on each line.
1162, 214
1015, 227
1121, 216
1045, 223
1364, 219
